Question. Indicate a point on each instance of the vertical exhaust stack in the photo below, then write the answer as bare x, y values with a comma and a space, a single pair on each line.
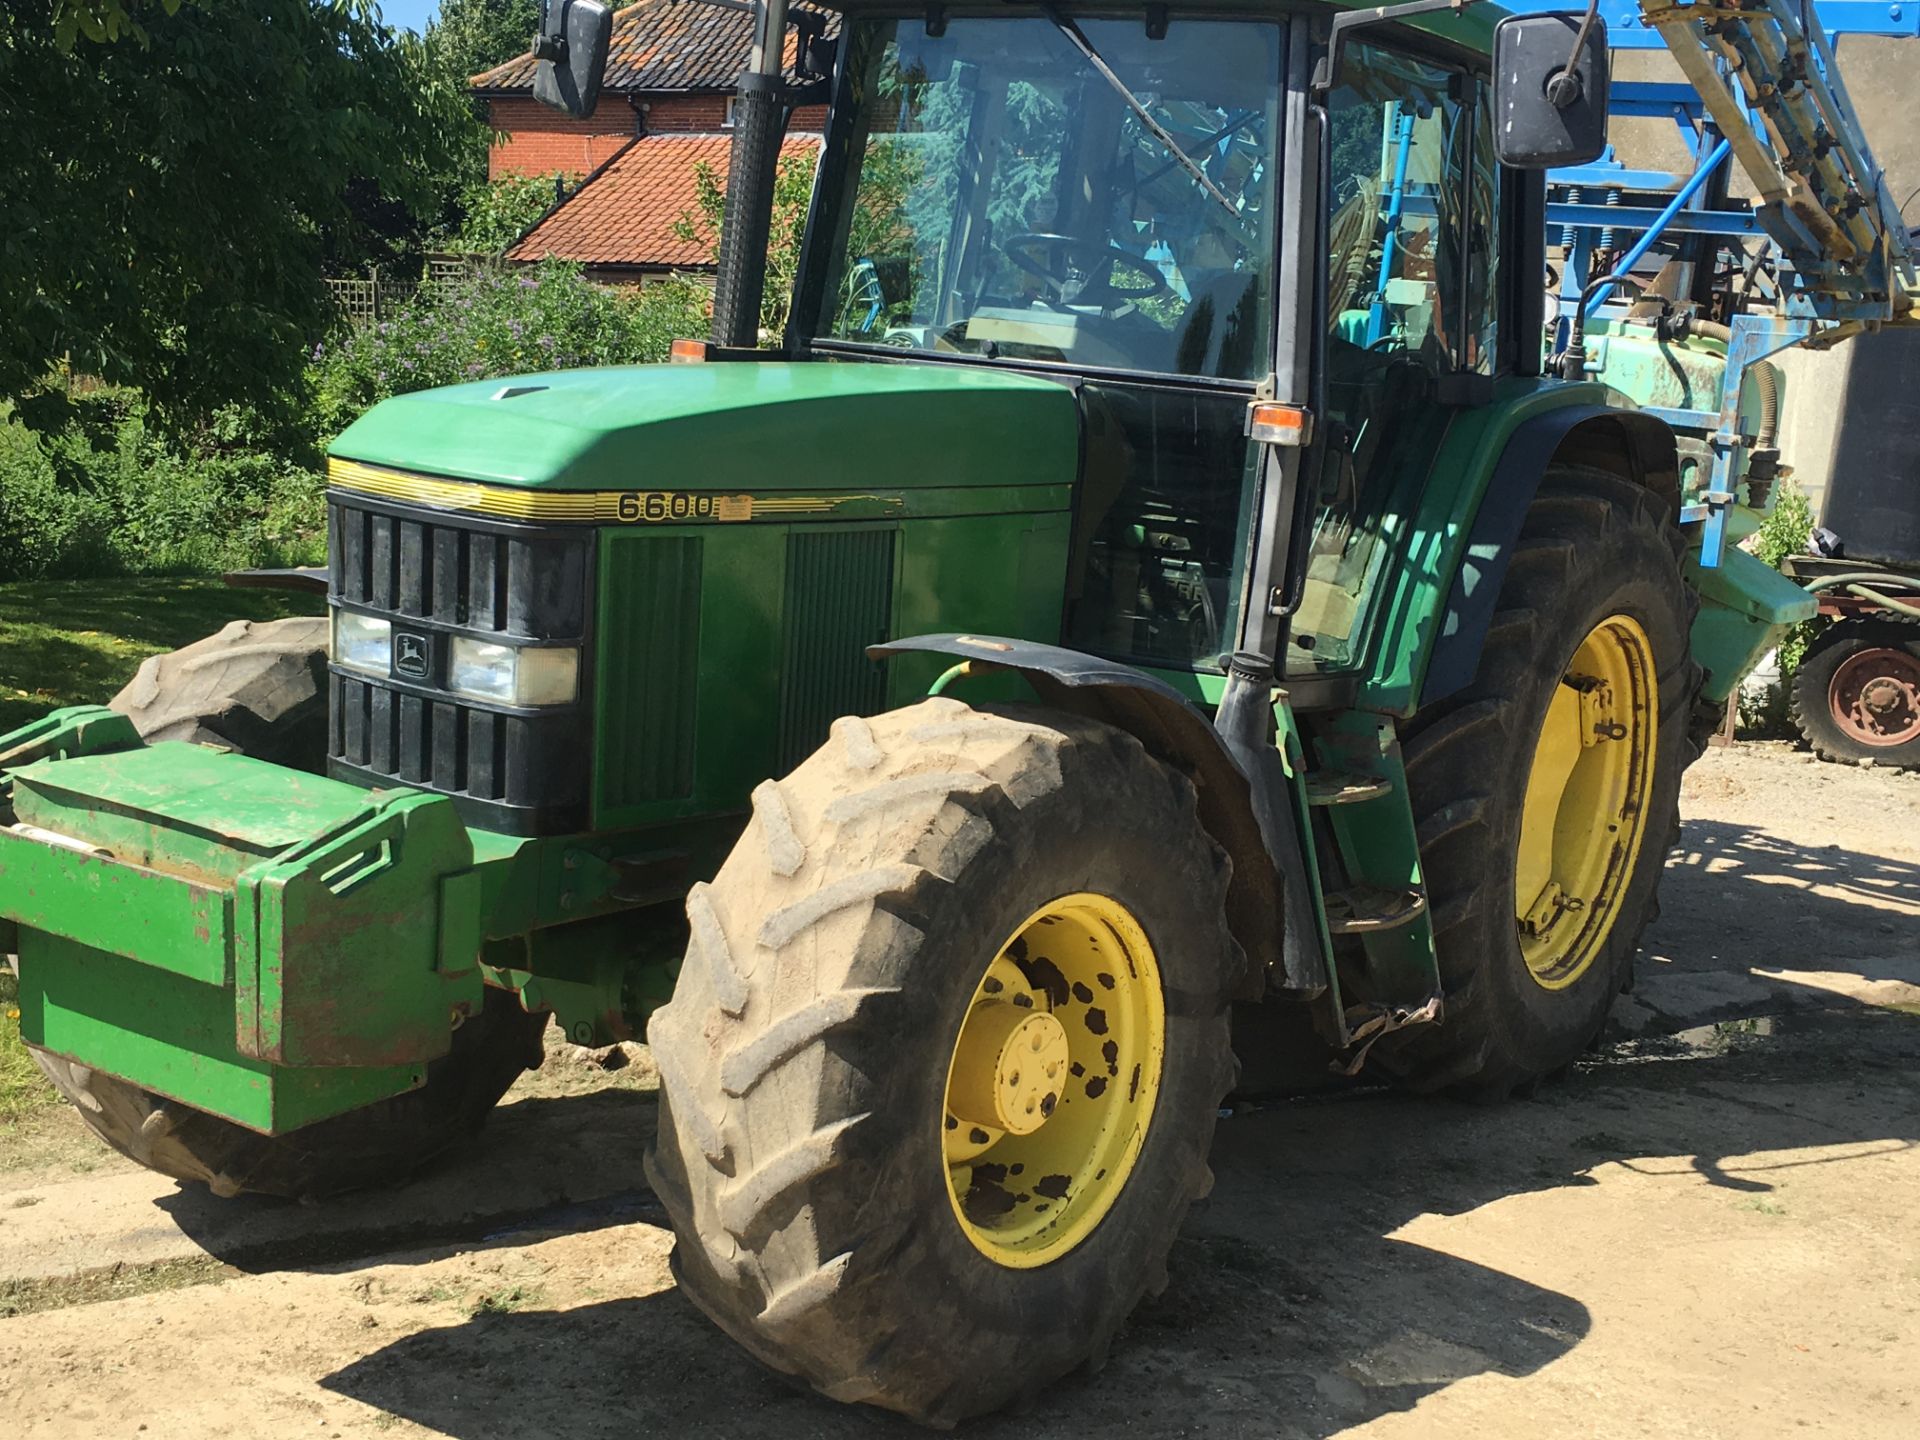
759, 123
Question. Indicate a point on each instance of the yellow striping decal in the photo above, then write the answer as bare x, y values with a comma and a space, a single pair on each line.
587, 507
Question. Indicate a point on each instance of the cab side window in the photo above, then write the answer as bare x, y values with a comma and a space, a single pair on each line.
1412, 269
1396, 232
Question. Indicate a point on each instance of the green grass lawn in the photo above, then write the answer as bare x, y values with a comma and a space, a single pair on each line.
75, 642
22, 1087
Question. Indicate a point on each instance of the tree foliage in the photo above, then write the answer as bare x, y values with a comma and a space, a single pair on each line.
466, 38
500, 211
103, 21
879, 225
475, 35
167, 204
792, 190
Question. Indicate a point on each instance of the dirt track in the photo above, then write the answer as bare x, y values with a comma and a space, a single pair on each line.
1708, 1233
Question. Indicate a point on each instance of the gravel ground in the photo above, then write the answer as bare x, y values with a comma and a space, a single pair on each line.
1707, 1231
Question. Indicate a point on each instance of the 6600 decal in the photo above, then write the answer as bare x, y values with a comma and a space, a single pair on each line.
652, 507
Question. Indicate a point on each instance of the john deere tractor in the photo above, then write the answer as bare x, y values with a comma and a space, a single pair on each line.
1152, 620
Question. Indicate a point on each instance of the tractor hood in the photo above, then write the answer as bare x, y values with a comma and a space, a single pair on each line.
759, 425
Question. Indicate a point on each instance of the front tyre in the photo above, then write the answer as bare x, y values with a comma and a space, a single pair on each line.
942, 1067
259, 687
377, 1144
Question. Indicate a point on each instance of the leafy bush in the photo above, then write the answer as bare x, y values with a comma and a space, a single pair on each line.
498, 212
1785, 531
94, 498
502, 322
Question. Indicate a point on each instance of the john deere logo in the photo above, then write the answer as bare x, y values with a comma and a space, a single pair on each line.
410, 655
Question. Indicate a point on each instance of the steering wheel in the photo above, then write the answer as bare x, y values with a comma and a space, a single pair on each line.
1090, 284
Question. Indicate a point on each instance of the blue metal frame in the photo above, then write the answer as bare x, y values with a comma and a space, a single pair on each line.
1847, 273
1628, 30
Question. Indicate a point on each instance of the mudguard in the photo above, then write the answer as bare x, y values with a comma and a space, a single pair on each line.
1173, 730
1590, 434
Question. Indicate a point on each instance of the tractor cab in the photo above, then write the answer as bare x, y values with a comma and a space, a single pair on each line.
1107, 200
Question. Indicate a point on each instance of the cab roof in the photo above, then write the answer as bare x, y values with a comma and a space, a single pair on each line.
1470, 27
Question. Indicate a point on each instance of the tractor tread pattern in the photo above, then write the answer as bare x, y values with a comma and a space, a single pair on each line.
1457, 752
889, 812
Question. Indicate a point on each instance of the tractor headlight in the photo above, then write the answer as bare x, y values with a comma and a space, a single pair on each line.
361, 642
514, 674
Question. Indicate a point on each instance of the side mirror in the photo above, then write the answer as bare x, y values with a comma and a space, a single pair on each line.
572, 50
1547, 113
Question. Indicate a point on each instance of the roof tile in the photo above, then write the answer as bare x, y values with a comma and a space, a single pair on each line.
624, 214
662, 45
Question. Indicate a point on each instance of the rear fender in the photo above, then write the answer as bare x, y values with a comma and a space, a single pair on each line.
1635, 446
1174, 731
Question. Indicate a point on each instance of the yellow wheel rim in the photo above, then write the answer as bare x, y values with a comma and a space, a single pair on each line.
1053, 1079
1586, 804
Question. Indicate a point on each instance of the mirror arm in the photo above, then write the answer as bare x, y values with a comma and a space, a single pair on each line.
551, 42
1329, 68
1564, 88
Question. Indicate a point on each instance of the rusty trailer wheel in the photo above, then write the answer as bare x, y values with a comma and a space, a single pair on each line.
1856, 695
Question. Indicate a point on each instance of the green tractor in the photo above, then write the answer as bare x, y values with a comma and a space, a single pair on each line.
1153, 626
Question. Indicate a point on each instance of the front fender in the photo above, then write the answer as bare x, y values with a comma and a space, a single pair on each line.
1174, 731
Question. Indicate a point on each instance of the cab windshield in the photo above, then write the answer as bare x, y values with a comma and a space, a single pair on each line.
1006, 200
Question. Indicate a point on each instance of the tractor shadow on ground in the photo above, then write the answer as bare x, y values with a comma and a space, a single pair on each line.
545, 1163
1295, 1309
1753, 924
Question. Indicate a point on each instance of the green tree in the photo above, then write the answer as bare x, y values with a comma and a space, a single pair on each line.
500, 211
466, 38
167, 205
792, 189
476, 35
879, 222
101, 20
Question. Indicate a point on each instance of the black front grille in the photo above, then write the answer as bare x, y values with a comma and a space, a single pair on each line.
520, 770
508, 579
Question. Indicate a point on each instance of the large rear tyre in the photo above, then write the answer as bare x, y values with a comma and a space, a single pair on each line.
376, 1145
943, 1063
1546, 794
1856, 695
259, 687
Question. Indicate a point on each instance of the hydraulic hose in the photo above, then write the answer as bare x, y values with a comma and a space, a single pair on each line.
1900, 606
1766, 379
1851, 577
1856, 582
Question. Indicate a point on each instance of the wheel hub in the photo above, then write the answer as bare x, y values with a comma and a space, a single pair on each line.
1052, 1081
1585, 807
1009, 1068
1875, 696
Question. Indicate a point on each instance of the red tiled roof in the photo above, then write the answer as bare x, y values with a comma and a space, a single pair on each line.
624, 214
662, 45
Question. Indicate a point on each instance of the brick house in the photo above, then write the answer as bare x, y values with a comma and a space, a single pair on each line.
664, 108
